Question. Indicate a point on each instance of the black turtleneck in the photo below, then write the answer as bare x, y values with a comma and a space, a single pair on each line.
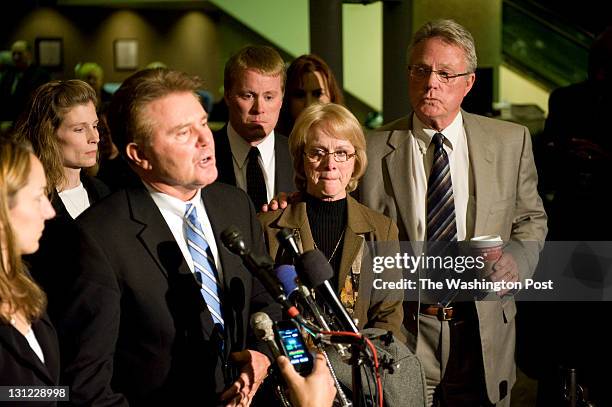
327, 222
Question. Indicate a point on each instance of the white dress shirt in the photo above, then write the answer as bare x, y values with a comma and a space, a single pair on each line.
34, 344
422, 149
173, 211
267, 160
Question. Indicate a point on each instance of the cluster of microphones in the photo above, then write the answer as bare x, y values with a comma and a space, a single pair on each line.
307, 297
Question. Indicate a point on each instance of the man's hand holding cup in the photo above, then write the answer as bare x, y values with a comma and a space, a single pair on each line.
499, 266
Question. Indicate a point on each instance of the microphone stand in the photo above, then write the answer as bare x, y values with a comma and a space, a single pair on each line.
344, 402
356, 362
359, 358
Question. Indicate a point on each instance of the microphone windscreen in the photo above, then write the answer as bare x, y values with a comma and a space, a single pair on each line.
262, 326
315, 268
286, 274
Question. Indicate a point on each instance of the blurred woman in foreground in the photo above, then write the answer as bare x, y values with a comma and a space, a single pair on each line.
29, 353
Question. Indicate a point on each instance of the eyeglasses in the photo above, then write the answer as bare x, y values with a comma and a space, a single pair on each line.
315, 155
420, 72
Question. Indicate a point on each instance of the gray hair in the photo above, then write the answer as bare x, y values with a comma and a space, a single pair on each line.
452, 33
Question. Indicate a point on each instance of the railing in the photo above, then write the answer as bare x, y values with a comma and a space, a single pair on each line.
542, 45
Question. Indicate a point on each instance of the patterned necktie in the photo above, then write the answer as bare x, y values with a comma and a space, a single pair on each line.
204, 264
441, 224
256, 185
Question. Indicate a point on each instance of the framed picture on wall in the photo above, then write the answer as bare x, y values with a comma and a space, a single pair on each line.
126, 54
49, 53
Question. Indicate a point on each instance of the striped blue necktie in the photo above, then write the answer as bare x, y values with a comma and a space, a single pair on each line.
203, 263
441, 223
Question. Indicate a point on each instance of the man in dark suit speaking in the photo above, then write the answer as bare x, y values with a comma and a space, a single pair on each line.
156, 308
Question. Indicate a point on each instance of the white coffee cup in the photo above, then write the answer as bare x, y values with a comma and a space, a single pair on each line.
490, 249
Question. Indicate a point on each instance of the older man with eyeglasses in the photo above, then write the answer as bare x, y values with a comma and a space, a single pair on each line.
447, 175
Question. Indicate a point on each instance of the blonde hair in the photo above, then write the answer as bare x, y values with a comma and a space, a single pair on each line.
42, 118
17, 291
261, 58
336, 121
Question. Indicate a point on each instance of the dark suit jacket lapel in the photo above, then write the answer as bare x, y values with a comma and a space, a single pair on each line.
47, 338
224, 158
232, 266
215, 210
482, 160
155, 234
284, 166
95, 188
12, 341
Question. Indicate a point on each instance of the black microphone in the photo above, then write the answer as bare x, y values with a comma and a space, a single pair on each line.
262, 327
289, 278
292, 285
296, 290
261, 267
287, 241
316, 272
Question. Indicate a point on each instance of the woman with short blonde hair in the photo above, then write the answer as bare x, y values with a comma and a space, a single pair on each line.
328, 148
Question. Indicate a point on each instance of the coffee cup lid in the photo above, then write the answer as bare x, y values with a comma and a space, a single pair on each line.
486, 241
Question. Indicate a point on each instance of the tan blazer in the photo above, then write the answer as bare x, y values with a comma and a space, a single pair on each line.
373, 308
503, 201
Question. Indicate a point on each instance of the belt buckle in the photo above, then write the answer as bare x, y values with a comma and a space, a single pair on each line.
443, 313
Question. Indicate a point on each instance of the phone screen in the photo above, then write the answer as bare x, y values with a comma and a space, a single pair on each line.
293, 346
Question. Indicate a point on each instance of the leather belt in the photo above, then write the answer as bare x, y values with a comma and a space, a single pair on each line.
442, 313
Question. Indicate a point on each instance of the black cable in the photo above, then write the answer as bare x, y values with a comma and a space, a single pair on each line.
371, 378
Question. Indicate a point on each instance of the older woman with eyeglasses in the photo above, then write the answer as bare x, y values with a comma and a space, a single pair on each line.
327, 145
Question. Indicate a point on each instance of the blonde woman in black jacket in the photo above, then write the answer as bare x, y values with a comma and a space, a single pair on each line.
29, 354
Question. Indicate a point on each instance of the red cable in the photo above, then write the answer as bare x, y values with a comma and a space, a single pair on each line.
375, 357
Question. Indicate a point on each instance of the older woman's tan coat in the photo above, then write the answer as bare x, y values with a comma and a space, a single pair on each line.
372, 308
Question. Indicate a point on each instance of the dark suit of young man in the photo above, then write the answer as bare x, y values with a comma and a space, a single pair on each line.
283, 173
254, 80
